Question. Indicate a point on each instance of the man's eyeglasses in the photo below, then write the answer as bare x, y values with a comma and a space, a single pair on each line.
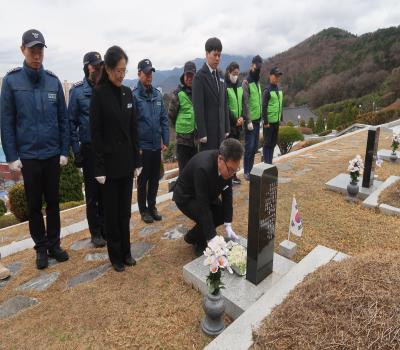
230, 170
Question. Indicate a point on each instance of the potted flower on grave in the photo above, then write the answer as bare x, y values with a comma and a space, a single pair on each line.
237, 256
213, 304
355, 169
394, 146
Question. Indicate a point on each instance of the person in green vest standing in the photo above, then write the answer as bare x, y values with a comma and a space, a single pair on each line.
252, 98
272, 114
181, 114
234, 93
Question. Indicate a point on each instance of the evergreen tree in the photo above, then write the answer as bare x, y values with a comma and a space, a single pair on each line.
70, 182
311, 124
320, 125
330, 121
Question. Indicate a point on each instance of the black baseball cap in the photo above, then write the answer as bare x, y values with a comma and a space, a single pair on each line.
145, 66
189, 67
257, 60
275, 71
33, 37
92, 58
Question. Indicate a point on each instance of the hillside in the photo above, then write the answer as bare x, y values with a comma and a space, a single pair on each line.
169, 79
335, 65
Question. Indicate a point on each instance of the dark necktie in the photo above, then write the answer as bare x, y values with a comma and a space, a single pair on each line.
215, 79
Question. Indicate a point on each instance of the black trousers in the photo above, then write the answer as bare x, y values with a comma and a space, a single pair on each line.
194, 212
42, 180
184, 154
117, 196
270, 140
93, 195
148, 180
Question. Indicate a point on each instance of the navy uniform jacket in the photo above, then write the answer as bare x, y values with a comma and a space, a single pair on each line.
152, 118
33, 115
78, 111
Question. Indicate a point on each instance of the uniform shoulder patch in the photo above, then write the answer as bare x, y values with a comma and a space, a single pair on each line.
13, 70
51, 73
78, 83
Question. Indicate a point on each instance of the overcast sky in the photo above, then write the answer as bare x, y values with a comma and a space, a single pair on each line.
170, 32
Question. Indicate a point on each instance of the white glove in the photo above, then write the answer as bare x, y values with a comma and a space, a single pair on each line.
15, 165
230, 233
203, 140
226, 134
138, 171
250, 126
63, 160
101, 179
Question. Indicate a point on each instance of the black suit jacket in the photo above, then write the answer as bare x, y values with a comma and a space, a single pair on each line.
201, 181
210, 108
114, 131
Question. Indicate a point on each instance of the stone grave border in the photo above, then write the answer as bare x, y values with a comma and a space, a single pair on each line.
239, 335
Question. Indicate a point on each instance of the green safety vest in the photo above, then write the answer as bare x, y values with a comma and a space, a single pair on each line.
275, 106
255, 101
235, 101
185, 119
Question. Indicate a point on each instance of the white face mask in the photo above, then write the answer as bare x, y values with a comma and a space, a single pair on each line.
233, 78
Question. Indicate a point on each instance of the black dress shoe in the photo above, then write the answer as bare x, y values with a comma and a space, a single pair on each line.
146, 217
200, 248
118, 267
129, 261
98, 241
59, 254
190, 238
42, 260
155, 214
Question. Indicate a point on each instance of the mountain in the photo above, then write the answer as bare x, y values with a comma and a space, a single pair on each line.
335, 65
168, 80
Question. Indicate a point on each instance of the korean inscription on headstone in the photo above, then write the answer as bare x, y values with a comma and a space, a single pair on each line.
261, 223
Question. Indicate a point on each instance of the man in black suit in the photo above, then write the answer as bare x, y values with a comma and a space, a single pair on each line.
206, 177
209, 100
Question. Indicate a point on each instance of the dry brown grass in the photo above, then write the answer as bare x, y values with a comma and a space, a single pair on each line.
391, 195
354, 304
150, 306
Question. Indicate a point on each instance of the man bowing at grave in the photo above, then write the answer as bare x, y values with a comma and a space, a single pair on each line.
203, 192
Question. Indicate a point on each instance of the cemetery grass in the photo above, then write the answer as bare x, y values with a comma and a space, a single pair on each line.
352, 304
68, 217
391, 195
149, 306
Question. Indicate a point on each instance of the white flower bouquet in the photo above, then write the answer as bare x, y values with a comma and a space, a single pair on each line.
395, 142
216, 255
355, 168
237, 257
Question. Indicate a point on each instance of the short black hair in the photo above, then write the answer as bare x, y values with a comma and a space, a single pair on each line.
231, 149
213, 44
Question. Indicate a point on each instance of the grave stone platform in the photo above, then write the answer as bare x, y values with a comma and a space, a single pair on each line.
340, 182
385, 155
239, 294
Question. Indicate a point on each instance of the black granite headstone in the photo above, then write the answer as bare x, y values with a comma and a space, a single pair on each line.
370, 156
261, 223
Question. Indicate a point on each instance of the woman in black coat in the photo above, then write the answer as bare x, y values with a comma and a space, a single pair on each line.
114, 137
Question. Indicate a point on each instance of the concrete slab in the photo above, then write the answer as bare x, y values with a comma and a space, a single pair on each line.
40, 283
238, 336
88, 276
385, 155
239, 294
14, 268
340, 182
14, 305
389, 210
372, 200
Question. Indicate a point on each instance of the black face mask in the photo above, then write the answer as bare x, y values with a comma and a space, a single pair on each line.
255, 74
94, 76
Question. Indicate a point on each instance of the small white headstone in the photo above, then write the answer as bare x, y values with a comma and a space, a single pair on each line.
287, 249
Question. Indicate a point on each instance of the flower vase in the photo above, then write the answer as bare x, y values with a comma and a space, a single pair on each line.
214, 308
393, 156
353, 189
